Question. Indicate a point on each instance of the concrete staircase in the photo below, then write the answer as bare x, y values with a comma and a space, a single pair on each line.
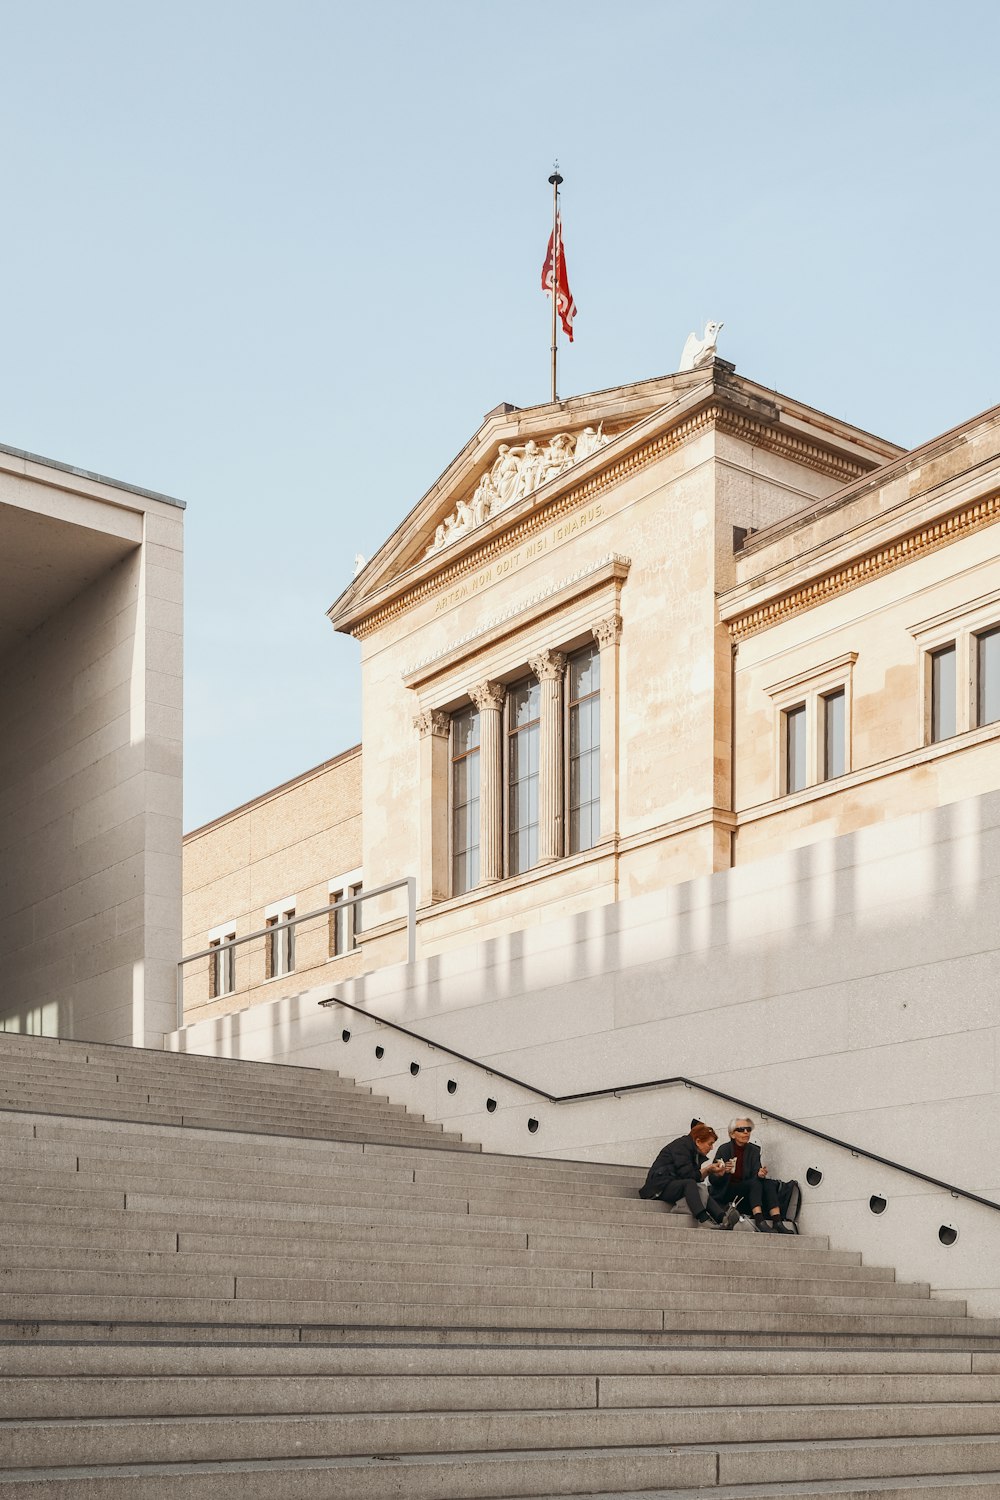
221, 1280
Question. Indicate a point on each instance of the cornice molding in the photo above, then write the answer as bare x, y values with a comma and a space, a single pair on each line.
714, 414
874, 564
607, 573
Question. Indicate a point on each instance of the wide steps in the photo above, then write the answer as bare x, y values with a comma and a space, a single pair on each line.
346, 1301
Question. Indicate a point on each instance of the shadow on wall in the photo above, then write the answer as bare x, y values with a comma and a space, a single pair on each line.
850, 984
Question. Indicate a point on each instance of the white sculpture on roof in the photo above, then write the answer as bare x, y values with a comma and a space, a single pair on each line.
700, 351
515, 472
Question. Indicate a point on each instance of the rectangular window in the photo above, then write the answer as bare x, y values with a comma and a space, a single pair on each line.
279, 949
523, 727
795, 748
943, 694
222, 964
834, 737
345, 923
584, 750
464, 801
988, 677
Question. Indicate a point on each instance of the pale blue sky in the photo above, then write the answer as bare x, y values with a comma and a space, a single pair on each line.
278, 259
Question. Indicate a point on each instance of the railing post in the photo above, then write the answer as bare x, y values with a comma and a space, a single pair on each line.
411, 919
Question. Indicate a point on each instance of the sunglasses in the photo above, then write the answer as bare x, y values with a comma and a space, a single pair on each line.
742, 1130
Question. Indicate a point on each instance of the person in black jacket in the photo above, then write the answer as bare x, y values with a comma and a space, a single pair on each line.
679, 1171
744, 1182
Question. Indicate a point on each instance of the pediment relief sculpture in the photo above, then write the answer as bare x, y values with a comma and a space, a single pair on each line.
515, 472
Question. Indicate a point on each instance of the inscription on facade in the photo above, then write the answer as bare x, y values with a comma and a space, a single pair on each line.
510, 562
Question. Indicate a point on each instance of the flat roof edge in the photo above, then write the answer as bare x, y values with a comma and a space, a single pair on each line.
117, 484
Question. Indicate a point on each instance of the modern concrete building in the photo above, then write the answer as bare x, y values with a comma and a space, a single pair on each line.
90, 753
682, 715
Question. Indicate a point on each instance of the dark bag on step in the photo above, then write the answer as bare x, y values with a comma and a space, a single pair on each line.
789, 1202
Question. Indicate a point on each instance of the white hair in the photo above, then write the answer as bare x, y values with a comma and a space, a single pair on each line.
735, 1121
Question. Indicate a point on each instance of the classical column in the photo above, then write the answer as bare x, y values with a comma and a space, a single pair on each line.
607, 633
434, 729
489, 699
549, 667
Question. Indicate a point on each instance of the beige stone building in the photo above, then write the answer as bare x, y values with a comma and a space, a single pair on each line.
682, 725
636, 638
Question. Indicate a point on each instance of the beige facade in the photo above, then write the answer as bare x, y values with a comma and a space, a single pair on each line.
731, 568
786, 888
90, 753
292, 849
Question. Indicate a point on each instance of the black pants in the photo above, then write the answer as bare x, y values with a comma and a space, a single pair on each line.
756, 1193
673, 1191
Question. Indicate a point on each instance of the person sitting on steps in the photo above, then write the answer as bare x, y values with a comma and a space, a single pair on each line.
679, 1171
744, 1181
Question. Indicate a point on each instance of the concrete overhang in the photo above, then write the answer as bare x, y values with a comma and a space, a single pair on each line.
60, 530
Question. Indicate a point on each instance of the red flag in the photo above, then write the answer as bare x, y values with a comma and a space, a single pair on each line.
565, 305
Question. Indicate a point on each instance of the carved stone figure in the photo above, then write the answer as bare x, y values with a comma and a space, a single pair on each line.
359, 563
589, 441
530, 469
557, 457
514, 473
700, 351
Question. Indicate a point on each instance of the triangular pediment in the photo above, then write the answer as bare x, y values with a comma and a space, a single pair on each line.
515, 458
523, 459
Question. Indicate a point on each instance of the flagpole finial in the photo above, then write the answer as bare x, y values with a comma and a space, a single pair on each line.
555, 179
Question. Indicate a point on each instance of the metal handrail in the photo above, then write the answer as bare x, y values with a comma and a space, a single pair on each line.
655, 1083
409, 881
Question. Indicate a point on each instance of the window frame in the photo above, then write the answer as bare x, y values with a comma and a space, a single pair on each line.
351, 883
274, 912
810, 690
453, 759
569, 703
222, 938
508, 733
961, 627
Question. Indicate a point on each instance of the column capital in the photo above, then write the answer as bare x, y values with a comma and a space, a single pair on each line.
432, 721
488, 695
607, 632
548, 666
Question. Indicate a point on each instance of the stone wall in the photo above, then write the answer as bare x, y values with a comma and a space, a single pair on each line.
90, 794
290, 842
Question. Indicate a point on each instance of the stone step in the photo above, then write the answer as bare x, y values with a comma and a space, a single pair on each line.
427, 1282
200, 1157
313, 1086
298, 1360
94, 1208
39, 1158
797, 1442
109, 1138
131, 1104
90, 1237
421, 1263
161, 1331
506, 1308
117, 1100
403, 1135
514, 1476
118, 1396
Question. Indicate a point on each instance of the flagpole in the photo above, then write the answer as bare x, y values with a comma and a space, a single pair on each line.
555, 180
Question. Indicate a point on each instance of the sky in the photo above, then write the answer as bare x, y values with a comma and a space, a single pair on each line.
277, 258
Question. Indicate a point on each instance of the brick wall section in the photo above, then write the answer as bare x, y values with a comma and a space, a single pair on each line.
292, 841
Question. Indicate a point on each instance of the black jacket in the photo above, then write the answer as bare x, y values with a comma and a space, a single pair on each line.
751, 1162
679, 1161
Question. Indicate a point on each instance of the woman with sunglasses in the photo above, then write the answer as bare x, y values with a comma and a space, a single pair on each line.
745, 1181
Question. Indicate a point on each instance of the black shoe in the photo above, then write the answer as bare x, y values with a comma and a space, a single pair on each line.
781, 1226
762, 1225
